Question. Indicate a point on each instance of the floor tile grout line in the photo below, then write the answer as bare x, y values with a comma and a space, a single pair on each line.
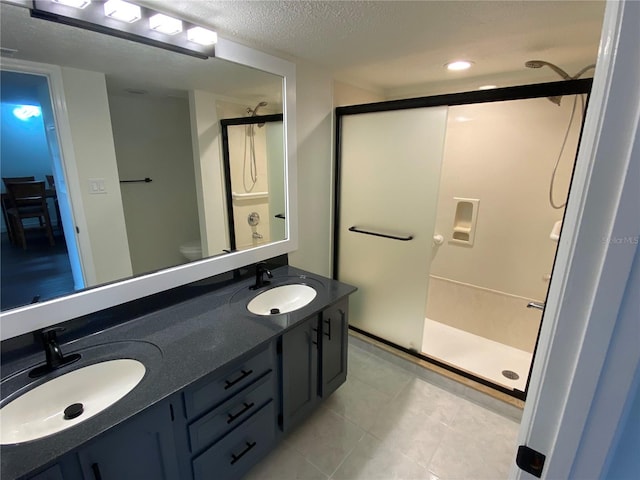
364, 433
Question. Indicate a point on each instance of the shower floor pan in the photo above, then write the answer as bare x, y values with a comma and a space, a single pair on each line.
475, 354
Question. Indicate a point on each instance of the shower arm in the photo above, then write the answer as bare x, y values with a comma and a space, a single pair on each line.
583, 71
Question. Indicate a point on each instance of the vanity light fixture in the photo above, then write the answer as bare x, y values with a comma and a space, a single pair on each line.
120, 18
202, 36
459, 65
123, 11
73, 3
165, 24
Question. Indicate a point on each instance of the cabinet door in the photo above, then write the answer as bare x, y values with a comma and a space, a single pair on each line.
333, 366
51, 473
299, 372
141, 448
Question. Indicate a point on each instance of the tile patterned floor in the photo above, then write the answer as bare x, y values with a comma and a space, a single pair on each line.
387, 423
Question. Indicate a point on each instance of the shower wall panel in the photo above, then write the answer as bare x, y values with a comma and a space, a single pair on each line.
390, 170
503, 153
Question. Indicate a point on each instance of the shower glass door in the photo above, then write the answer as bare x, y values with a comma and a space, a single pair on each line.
390, 171
499, 158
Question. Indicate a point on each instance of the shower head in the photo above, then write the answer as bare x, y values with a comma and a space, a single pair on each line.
555, 68
254, 111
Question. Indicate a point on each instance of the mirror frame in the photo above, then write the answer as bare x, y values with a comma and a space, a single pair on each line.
28, 318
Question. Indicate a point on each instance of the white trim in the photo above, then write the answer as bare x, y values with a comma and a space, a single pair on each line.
591, 273
33, 317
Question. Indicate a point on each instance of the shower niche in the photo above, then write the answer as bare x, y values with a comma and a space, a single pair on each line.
465, 220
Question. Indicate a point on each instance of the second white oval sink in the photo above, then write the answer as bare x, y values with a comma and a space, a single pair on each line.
282, 299
45, 409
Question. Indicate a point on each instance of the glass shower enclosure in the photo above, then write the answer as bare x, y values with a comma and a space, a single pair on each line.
444, 223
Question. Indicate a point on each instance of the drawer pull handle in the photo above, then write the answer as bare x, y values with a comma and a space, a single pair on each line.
235, 458
246, 406
328, 333
244, 374
95, 468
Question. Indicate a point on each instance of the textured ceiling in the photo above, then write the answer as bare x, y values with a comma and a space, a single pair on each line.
398, 48
395, 47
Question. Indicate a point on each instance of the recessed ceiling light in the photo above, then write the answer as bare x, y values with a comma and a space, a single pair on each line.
459, 65
73, 3
123, 11
165, 24
487, 87
202, 36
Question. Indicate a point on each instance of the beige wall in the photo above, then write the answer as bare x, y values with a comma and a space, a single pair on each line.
152, 136
314, 110
495, 315
345, 94
89, 119
503, 154
209, 173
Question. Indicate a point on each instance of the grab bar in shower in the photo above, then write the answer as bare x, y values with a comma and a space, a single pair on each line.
402, 238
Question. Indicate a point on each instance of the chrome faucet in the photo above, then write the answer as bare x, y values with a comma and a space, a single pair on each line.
261, 270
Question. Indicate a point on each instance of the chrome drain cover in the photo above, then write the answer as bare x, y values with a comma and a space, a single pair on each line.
510, 374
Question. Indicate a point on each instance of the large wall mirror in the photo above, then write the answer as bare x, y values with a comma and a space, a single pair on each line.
142, 190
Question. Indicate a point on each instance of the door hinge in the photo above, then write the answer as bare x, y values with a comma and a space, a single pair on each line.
77, 229
530, 461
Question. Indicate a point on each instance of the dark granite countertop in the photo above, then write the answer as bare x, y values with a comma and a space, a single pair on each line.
178, 345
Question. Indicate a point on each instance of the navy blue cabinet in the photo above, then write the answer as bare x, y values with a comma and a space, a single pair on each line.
299, 367
51, 473
142, 447
229, 420
313, 362
225, 423
334, 342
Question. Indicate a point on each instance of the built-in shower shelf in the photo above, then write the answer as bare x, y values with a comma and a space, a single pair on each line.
249, 196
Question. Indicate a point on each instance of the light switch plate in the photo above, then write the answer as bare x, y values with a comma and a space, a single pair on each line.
97, 186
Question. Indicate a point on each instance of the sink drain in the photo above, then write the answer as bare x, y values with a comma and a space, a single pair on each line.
510, 374
73, 411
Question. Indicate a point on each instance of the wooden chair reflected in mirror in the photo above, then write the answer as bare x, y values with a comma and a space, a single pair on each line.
5, 203
28, 200
52, 187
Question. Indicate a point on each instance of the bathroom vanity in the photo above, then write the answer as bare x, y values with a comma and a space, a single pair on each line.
221, 386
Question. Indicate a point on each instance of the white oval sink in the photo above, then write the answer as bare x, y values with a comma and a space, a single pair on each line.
41, 411
282, 299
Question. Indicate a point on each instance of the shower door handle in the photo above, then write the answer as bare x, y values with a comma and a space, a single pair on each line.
536, 305
402, 238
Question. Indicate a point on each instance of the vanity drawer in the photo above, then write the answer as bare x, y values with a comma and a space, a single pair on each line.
232, 456
229, 415
210, 392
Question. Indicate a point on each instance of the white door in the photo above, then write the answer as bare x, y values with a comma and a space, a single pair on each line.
389, 176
